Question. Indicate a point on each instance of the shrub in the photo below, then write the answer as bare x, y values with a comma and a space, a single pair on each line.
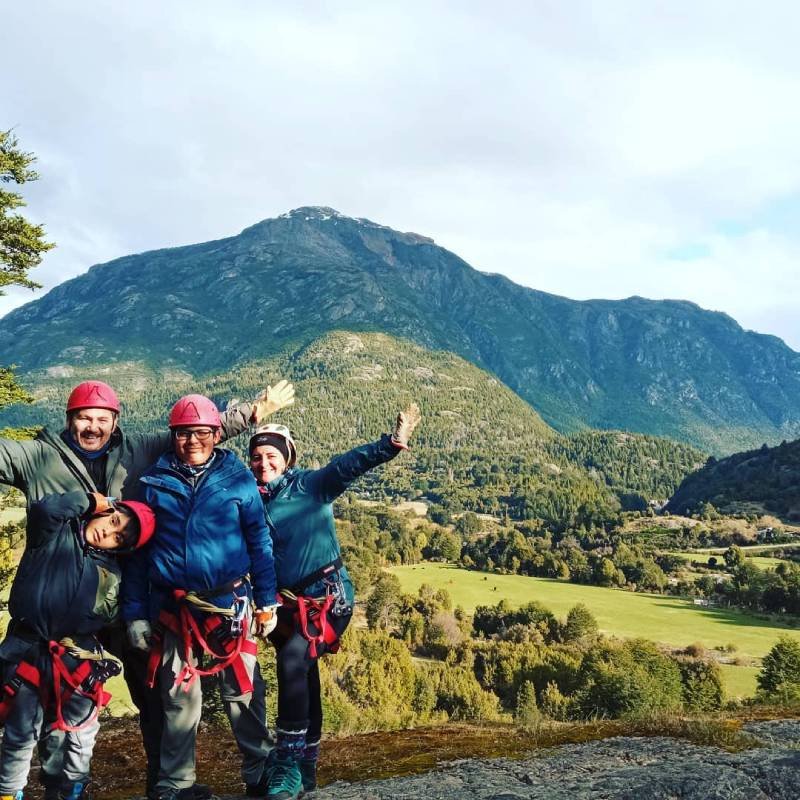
553, 703
628, 680
702, 685
527, 713
779, 678
580, 623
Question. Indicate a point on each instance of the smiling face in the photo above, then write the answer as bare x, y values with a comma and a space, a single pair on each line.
111, 530
194, 444
91, 428
267, 463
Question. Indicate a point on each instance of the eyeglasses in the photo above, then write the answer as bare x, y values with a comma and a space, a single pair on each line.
202, 435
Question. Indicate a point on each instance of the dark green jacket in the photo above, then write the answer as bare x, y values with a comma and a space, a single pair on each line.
63, 587
47, 465
299, 508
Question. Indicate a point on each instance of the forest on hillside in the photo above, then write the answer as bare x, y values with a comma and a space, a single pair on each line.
480, 447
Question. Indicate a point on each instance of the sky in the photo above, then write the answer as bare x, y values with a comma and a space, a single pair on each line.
593, 150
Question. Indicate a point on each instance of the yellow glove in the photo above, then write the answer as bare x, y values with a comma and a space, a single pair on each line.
101, 503
404, 426
272, 399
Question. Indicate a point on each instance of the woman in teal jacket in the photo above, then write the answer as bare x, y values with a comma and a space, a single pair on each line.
313, 584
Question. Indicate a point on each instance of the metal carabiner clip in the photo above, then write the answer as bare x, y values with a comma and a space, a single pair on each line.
239, 608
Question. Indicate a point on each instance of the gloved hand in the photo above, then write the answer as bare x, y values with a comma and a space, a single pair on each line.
99, 503
139, 632
272, 399
407, 420
265, 620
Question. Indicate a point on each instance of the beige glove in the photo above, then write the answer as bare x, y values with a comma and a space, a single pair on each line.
139, 632
101, 503
404, 426
272, 399
264, 621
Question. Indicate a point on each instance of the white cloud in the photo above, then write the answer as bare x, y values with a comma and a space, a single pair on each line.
571, 146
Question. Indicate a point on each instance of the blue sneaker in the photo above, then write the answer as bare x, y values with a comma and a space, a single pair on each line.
79, 790
285, 782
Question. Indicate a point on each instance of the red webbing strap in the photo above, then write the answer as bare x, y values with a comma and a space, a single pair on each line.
29, 674
190, 634
73, 681
24, 672
240, 672
307, 607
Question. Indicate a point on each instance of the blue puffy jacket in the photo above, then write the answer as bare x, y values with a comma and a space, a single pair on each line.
206, 536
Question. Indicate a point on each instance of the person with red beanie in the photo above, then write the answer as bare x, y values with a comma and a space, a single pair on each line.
52, 663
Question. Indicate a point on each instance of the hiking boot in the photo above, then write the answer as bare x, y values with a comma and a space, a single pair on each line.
308, 774
260, 789
285, 782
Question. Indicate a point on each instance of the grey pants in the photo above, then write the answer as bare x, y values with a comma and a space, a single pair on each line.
23, 728
247, 714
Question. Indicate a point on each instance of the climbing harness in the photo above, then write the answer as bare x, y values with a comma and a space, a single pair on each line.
87, 679
316, 610
221, 633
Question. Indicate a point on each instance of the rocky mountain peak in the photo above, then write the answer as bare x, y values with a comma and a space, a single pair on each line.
661, 367
321, 213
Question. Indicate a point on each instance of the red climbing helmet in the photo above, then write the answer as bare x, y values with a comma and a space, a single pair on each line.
93, 394
147, 520
194, 409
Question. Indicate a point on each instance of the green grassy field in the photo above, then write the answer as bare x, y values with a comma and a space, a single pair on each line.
664, 619
739, 681
762, 562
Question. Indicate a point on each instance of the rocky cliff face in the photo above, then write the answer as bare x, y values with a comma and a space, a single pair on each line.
614, 769
664, 367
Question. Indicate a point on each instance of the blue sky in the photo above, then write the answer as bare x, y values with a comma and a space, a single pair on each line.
588, 149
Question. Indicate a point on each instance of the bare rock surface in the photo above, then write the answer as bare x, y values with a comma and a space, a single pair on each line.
657, 768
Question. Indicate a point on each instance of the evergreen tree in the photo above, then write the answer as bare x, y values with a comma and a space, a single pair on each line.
21, 242
780, 670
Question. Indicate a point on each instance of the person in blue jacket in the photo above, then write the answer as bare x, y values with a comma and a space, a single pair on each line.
65, 590
191, 592
313, 584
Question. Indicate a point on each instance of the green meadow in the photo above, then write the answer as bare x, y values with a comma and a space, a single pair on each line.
762, 562
661, 618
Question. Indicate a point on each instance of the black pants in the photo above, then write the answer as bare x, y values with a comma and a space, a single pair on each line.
146, 700
299, 698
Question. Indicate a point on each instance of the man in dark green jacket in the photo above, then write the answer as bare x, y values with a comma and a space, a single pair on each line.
92, 454
314, 586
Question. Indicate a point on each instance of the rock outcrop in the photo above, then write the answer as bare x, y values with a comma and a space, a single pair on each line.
613, 769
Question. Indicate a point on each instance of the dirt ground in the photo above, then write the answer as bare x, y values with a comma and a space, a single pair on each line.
119, 758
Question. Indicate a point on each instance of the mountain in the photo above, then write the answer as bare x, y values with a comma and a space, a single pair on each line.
480, 446
768, 478
660, 367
